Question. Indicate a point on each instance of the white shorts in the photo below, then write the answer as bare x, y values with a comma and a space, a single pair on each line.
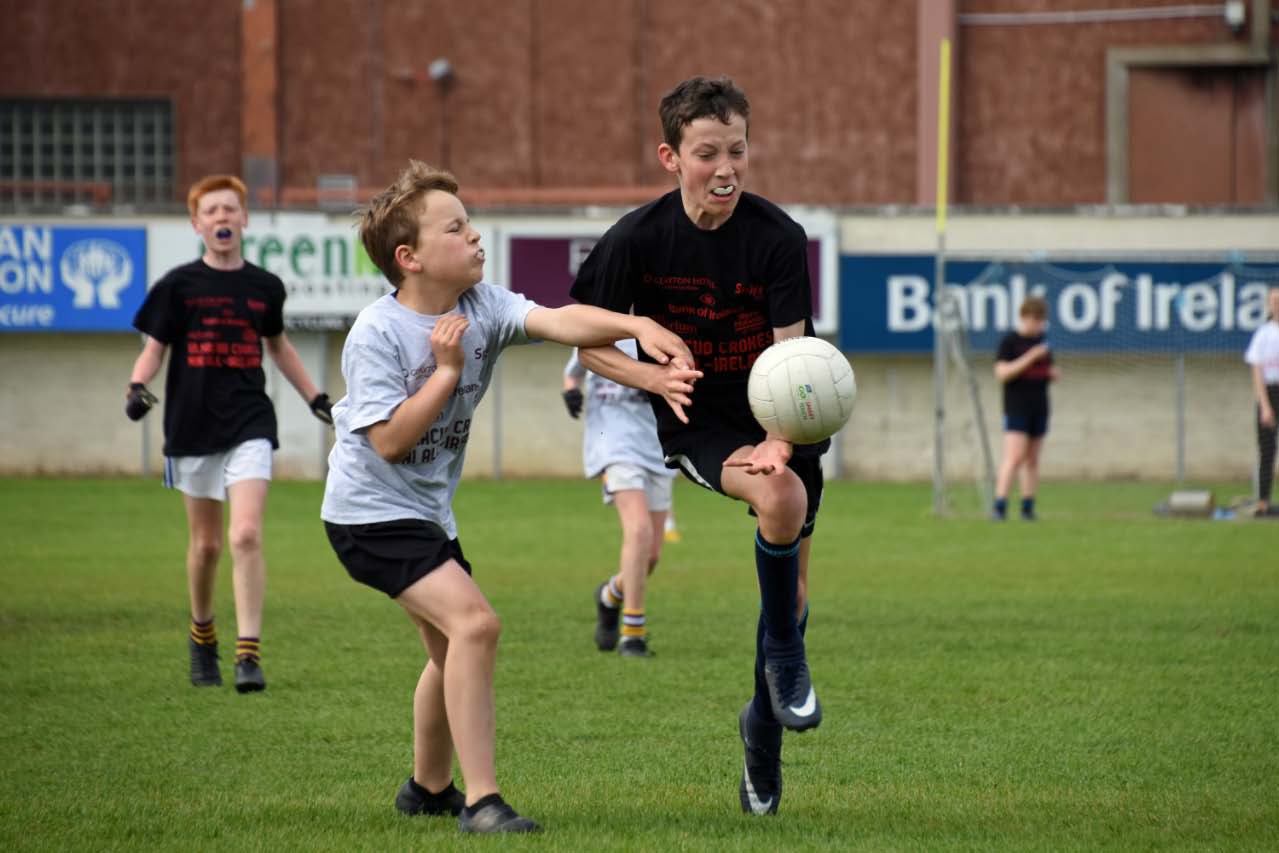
208, 476
623, 477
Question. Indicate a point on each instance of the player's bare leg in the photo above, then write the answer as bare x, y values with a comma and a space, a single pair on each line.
248, 505
659, 539
450, 601
204, 549
778, 499
1030, 477
634, 565
1015, 444
430, 790
432, 741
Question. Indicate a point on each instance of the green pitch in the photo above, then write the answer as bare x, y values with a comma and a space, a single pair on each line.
1101, 680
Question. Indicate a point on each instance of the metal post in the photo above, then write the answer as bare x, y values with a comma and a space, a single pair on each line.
322, 376
939, 377
939, 280
146, 447
1181, 417
496, 384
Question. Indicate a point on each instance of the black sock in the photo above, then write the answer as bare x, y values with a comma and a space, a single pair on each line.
763, 709
777, 567
421, 790
490, 799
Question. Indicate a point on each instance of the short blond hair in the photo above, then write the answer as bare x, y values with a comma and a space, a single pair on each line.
213, 183
391, 219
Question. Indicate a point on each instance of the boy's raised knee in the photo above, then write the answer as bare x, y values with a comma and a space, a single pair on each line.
481, 626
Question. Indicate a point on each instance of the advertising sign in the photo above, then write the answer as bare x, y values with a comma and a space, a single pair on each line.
64, 279
1130, 304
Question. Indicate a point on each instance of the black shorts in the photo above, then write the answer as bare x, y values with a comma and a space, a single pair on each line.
391, 556
1033, 422
700, 454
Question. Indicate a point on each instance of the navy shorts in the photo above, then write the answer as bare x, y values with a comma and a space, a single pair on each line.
1034, 424
391, 556
700, 454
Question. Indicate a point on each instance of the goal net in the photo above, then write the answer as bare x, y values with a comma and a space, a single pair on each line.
1153, 384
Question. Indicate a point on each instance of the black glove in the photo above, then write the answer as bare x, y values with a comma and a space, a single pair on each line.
139, 401
322, 408
573, 402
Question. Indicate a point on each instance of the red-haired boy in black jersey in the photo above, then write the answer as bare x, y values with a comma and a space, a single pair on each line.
728, 272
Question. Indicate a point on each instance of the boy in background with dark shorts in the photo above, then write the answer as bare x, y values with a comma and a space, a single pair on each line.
1024, 365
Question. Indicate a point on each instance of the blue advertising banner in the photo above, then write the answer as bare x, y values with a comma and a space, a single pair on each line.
1133, 305
56, 279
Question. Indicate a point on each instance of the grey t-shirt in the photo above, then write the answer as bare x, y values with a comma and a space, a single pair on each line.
620, 427
387, 358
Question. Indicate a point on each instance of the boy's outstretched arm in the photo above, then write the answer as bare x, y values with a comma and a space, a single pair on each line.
588, 326
672, 381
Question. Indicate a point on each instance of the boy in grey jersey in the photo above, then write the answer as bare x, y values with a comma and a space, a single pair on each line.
620, 446
416, 363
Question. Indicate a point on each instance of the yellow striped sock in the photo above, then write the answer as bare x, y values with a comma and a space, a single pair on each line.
633, 623
248, 648
613, 593
204, 633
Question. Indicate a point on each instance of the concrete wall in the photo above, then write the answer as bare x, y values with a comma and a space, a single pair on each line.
62, 398
62, 395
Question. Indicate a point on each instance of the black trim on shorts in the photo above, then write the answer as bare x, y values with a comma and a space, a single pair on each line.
391, 556
706, 451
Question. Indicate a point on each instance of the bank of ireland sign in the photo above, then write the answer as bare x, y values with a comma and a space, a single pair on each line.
1128, 303
57, 279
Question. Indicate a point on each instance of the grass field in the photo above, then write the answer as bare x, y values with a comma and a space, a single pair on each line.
1101, 680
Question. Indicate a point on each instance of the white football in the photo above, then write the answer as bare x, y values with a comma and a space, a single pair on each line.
802, 389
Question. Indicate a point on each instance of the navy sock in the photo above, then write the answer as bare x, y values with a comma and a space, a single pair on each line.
763, 708
777, 567
1028, 505
1001, 507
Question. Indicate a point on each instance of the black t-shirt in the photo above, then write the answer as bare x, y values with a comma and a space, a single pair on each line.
214, 322
1028, 393
723, 291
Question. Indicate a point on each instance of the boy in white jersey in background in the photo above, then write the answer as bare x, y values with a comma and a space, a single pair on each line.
416, 363
620, 443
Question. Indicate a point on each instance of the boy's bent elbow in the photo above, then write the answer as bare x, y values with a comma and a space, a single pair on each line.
383, 446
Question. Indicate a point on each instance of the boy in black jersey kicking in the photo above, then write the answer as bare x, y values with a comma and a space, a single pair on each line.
219, 424
728, 272
1024, 366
